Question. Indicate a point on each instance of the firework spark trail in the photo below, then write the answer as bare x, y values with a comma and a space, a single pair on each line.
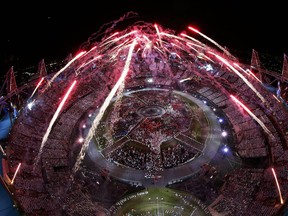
209, 39
117, 105
103, 109
159, 36
39, 83
2, 150
200, 54
160, 51
93, 48
66, 66
116, 50
146, 38
14, 176
149, 45
45, 137
117, 39
190, 44
252, 115
240, 75
179, 47
250, 73
146, 49
108, 38
119, 95
89, 62
276, 98
202, 45
278, 186
180, 38
191, 47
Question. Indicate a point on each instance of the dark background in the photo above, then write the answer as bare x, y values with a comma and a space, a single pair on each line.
52, 30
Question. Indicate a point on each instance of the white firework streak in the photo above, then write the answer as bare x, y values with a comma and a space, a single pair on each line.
278, 186
252, 115
55, 116
211, 40
64, 68
103, 108
241, 76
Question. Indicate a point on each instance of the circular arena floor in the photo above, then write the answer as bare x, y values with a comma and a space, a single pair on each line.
199, 146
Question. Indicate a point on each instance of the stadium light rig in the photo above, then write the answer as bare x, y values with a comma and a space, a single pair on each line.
225, 149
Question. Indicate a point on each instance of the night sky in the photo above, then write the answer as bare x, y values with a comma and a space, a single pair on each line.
46, 30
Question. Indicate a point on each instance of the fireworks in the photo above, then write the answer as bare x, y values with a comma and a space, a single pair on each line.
115, 69
15, 174
278, 186
45, 137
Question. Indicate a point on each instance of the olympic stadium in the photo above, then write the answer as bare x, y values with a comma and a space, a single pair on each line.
145, 121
